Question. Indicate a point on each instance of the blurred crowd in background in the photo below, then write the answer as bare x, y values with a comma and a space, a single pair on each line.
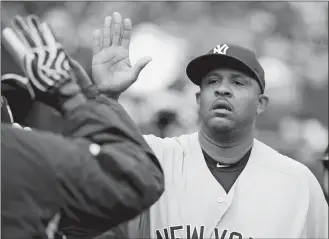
290, 39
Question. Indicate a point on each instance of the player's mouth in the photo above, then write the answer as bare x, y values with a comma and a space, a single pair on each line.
222, 107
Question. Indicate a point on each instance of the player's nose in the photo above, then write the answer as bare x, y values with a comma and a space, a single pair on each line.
223, 90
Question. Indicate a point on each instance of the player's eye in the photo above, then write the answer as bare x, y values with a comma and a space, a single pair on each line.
212, 81
237, 82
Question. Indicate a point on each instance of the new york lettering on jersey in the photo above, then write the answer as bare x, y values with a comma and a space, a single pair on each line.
188, 232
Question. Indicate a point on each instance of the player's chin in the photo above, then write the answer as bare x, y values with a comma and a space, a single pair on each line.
221, 124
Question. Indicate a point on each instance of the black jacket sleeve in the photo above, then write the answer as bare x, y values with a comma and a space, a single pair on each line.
105, 171
30, 193
123, 180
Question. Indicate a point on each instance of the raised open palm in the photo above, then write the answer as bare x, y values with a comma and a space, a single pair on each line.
111, 68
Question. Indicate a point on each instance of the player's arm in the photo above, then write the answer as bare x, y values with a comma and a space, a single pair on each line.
126, 178
107, 173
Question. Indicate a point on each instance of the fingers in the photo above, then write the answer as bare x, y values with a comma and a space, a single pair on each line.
15, 45
51, 42
96, 41
115, 32
116, 29
48, 35
33, 33
127, 27
34, 26
23, 31
139, 66
107, 32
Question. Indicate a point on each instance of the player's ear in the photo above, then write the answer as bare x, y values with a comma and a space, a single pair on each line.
197, 97
263, 101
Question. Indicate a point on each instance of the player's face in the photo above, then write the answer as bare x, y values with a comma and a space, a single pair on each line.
229, 99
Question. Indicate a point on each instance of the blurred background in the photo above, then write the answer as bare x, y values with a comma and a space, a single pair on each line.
290, 39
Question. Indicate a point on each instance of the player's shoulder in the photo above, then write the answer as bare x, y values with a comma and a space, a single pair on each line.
178, 141
172, 145
271, 159
169, 150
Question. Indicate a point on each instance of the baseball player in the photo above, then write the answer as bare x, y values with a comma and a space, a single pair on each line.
221, 182
101, 174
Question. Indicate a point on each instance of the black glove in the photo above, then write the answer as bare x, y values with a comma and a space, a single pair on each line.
46, 65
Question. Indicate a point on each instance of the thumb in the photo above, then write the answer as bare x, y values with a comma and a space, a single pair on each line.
139, 66
82, 76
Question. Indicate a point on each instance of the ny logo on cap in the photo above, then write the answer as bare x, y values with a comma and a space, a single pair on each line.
221, 49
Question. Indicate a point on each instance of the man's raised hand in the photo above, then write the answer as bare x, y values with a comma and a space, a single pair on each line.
111, 68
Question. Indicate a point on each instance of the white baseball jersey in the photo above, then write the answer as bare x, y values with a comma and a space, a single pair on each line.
274, 196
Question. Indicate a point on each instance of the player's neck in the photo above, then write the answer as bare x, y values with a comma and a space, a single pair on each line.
226, 148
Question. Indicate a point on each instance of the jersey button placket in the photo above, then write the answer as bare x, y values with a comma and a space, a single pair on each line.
219, 211
220, 199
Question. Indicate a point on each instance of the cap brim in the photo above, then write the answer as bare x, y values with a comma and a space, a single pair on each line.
202, 65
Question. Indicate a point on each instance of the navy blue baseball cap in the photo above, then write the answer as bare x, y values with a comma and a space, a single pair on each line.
226, 56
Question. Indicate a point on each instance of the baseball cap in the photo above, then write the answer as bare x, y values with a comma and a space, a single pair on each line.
226, 56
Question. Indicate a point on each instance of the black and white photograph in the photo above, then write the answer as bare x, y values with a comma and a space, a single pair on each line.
164, 120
